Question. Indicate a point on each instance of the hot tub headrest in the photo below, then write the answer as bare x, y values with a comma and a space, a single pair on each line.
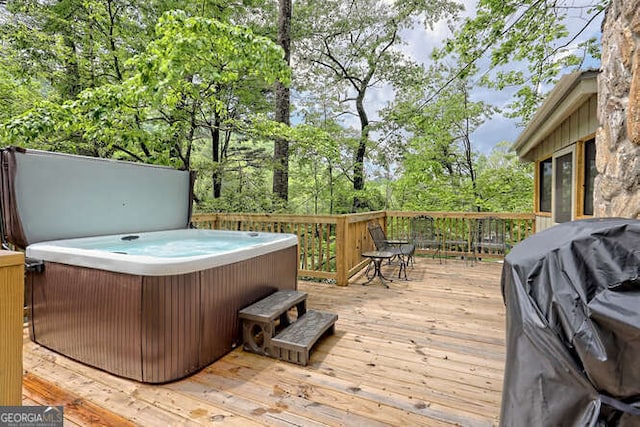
51, 196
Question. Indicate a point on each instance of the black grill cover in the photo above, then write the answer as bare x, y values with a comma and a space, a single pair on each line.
572, 294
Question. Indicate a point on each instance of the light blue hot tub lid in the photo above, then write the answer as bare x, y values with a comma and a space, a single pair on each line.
54, 196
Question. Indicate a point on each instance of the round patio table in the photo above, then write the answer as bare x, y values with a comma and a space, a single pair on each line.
376, 258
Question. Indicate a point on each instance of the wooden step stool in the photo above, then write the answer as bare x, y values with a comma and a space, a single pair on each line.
294, 343
259, 319
285, 340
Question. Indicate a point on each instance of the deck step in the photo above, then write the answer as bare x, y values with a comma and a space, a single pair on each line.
294, 343
265, 318
271, 307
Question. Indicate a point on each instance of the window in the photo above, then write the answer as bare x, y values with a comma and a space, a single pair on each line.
590, 173
563, 187
545, 174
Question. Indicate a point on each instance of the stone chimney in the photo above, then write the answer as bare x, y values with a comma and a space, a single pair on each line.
617, 186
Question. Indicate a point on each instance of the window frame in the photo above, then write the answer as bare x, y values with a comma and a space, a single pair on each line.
538, 188
570, 150
583, 175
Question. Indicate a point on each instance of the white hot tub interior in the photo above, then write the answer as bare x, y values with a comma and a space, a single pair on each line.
161, 252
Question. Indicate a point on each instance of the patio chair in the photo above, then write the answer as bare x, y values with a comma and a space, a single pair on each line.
424, 235
489, 237
383, 244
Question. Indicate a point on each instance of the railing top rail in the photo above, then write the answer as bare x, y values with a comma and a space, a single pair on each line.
302, 219
366, 216
355, 217
469, 215
294, 219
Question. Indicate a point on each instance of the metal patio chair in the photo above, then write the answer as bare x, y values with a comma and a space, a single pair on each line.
424, 235
404, 251
489, 237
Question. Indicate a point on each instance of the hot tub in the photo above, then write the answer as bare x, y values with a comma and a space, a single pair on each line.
153, 305
131, 308
162, 253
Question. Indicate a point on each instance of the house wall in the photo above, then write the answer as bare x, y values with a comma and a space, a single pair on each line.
617, 186
568, 137
581, 125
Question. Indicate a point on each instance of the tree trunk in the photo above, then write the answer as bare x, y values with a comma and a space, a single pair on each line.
72, 86
331, 196
112, 40
215, 148
281, 146
469, 154
186, 158
358, 164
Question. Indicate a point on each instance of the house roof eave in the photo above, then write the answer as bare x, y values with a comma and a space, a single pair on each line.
567, 96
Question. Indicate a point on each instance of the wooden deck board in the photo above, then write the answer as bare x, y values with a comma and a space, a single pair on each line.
426, 352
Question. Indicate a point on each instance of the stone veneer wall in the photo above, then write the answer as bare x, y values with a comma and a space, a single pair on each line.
617, 186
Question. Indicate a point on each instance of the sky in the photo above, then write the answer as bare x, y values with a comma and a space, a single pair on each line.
421, 42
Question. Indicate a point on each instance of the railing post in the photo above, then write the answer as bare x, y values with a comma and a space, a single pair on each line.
342, 266
11, 321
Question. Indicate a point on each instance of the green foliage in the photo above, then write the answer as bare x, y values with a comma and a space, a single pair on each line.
246, 185
530, 34
193, 88
194, 56
199, 70
438, 162
345, 49
174, 87
505, 184
30, 127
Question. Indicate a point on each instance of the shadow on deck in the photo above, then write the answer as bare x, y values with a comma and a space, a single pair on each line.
426, 352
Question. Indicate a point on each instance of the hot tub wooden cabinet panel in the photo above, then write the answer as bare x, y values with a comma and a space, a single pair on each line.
171, 326
152, 329
92, 316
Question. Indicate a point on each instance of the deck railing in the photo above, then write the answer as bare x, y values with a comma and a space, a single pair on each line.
455, 231
330, 245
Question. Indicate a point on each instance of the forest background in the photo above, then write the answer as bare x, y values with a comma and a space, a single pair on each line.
276, 104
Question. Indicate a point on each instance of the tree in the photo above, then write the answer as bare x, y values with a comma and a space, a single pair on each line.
107, 78
351, 47
281, 145
505, 184
18, 92
529, 33
319, 166
438, 121
73, 44
171, 97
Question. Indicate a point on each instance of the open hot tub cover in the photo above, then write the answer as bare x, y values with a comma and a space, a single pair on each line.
52, 196
572, 294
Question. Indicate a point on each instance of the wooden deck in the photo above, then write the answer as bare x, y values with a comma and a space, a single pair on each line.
426, 352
